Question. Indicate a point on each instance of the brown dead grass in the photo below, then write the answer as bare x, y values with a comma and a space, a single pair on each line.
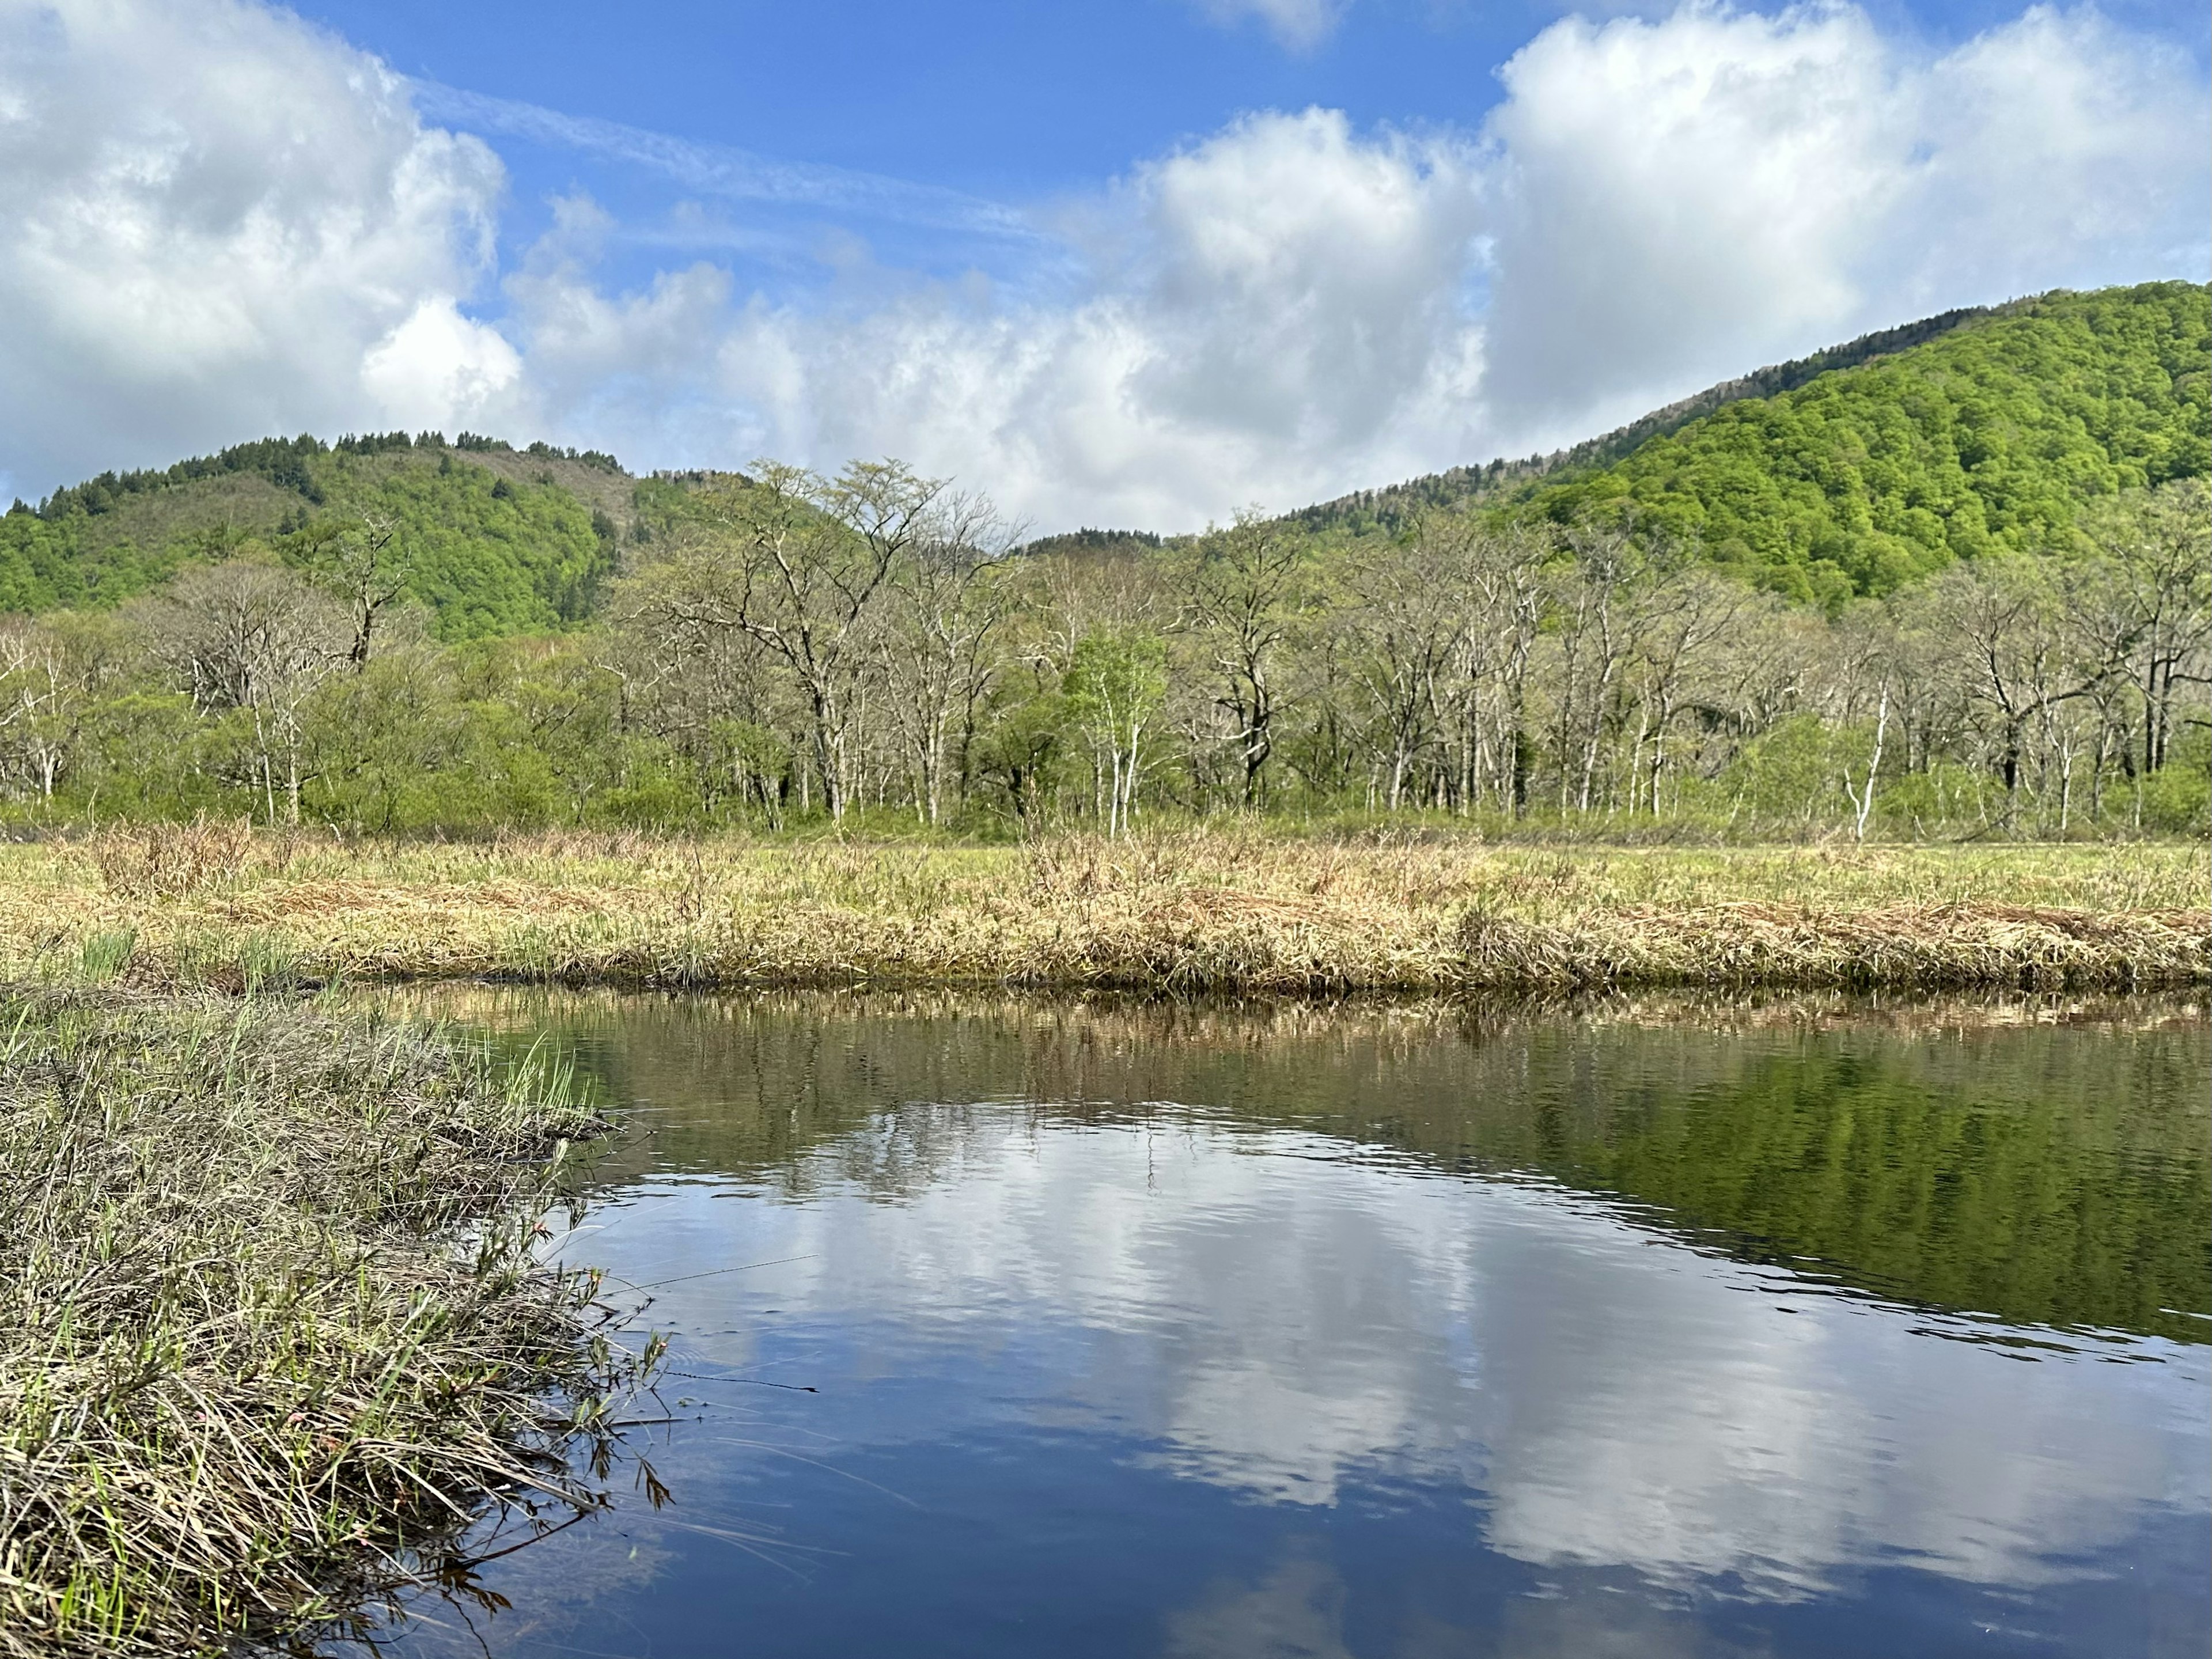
1223, 909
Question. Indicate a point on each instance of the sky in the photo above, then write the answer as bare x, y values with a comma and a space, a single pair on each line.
1141, 263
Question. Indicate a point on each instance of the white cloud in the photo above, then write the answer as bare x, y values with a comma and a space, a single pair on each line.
217, 222
1299, 25
1662, 184
438, 367
1281, 297
1681, 201
1292, 308
1278, 301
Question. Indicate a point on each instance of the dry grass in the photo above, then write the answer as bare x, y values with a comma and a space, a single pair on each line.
168, 860
272, 1325
1226, 908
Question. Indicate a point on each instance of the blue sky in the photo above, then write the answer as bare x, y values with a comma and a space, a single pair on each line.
1142, 262
1003, 98
1008, 102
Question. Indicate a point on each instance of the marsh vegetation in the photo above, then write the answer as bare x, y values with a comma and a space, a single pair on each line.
273, 1326
1227, 905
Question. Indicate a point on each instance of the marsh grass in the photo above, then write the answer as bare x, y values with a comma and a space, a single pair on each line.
168, 860
1230, 906
273, 1326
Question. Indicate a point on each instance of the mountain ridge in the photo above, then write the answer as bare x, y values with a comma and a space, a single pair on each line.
1458, 482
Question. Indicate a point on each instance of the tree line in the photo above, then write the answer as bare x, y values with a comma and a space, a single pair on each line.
790, 648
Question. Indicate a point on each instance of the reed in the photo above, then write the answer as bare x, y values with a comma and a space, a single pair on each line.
1228, 906
273, 1329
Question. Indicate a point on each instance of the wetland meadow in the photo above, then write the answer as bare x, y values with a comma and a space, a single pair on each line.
1211, 1242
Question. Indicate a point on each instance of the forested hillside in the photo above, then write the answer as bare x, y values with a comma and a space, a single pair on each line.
1391, 507
497, 540
1863, 466
1996, 435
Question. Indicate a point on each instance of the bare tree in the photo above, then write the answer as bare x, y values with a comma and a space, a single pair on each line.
947, 598
43, 693
364, 565
2141, 607
1243, 592
1593, 639
1509, 599
799, 563
1862, 662
1408, 615
249, 634
1680, 619
1999, 617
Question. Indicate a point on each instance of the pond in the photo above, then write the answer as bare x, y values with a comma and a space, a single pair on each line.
1016, 1327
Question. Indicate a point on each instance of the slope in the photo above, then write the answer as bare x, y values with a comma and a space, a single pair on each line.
1993, 435
499, 540
1390, 506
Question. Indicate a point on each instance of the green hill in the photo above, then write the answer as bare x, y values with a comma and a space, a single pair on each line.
1993, 434
501, 540
1863, 466
1392, 505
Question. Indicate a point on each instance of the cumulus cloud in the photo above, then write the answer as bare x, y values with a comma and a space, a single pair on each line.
1292, 307
1285, 292
1678, 201
215, 222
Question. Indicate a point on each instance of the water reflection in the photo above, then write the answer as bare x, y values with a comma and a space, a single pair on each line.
2043, 1163
1282, 1325
1148, 1332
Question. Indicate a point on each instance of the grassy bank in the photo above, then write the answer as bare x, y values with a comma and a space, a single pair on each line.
1227, 909
272, 1325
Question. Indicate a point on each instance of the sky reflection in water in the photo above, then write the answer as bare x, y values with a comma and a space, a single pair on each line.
1177, 1379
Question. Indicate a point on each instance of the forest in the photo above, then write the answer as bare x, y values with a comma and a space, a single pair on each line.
1962, 588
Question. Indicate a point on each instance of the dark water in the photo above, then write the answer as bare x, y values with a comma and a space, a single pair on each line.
1651, 1330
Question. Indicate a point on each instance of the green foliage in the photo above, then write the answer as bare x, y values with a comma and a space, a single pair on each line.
1993, 435
51, 564
1019, 758
1947, 793
489, 554
1116, 680
2177, 798
1794, 772
503, 734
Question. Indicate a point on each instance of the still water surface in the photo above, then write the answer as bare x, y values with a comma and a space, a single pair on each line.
1009, 1328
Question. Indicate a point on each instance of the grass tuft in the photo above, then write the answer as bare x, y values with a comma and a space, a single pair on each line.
272, 1328
168, 860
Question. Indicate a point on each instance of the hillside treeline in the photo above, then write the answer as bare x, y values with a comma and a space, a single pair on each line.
1993, 436
787, 648
1866, 467
501, 540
